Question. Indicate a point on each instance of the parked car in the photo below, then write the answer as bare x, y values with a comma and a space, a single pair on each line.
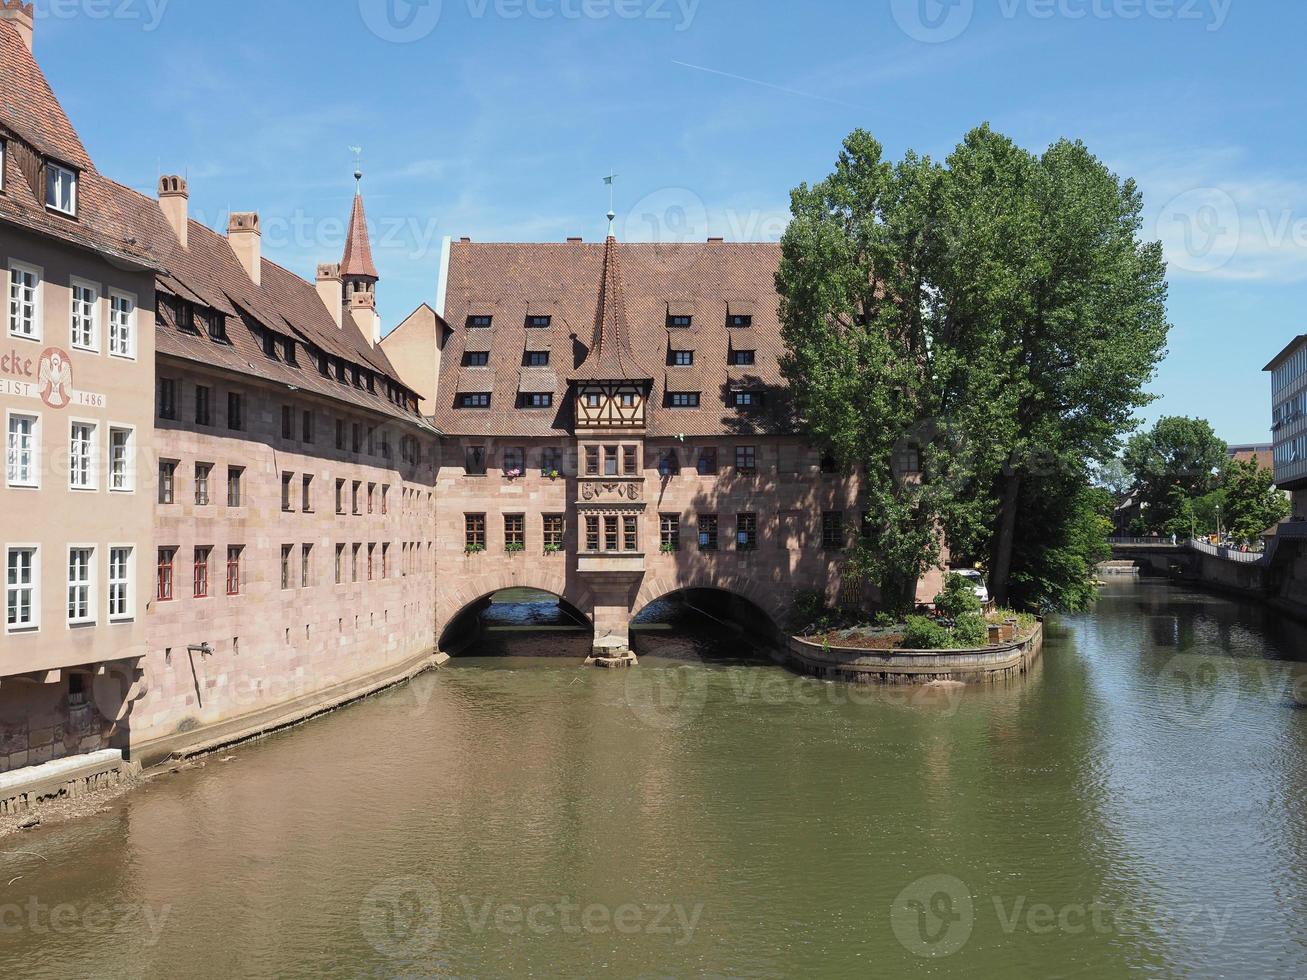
976, 579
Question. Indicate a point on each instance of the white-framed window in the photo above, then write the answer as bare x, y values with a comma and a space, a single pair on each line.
81, 586
122, 576
122, 324
122, 459
22, 588
24, 301
22, 450
85, 328
81, 455
61, 189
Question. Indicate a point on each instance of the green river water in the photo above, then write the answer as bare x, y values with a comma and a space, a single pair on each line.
1135, 805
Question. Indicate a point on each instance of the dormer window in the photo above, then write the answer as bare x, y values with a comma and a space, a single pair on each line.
743, 358
683, 399
479, 322
682, 358
61, 189
537, 358
476, 358
679, 320
539, 322
739, 320
474, 400
745, 399
592, 399
217, 327
542, 399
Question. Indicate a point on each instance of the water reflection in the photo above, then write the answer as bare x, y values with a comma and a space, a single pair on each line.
1112, 814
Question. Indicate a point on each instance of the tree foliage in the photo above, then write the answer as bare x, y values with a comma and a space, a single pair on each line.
1252, 502
1174, 463
999, 313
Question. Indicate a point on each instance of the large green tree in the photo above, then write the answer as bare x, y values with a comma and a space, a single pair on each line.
1253, 504
1001, 314
1055, 311
1174, 463
853, 280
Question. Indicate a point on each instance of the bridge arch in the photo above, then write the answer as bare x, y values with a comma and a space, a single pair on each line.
769, 598
459, 628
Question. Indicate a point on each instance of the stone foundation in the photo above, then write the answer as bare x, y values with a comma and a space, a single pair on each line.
997, 663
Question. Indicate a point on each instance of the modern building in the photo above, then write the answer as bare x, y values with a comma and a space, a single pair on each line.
1288, 371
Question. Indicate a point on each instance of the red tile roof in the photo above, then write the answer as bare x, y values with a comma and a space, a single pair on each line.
130, 227
610, 357
358, 247
510, 282
36, 128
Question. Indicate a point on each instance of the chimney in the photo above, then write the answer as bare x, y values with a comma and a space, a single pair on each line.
715, 241
174, 202
19, 16
332, 292
575, 240
363, 308
245, 238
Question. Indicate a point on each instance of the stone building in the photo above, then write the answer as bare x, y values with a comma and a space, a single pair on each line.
218, 505
76, 373
616, 428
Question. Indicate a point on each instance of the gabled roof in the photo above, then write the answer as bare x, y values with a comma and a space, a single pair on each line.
511, 282
31, 117
358, 247
609, 357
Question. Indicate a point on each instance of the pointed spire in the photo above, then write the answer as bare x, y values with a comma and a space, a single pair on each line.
610, 357
358, 247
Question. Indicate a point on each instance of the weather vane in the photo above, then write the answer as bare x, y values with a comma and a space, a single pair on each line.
612, 214
358, 164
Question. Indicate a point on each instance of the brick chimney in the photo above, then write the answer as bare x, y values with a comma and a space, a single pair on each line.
246, 241
174, 202
332, 292
19, 16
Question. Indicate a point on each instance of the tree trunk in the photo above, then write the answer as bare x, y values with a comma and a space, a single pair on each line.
1007, 529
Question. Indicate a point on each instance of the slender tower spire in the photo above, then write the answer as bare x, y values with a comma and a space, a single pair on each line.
357, 271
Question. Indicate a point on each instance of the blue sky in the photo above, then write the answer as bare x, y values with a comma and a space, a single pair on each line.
497, 119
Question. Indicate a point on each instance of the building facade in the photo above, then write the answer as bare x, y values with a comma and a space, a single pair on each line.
616, 428
1288, 371
218, 498
229, 502
76, 368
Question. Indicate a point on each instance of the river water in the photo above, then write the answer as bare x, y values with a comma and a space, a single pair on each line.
1135, 805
